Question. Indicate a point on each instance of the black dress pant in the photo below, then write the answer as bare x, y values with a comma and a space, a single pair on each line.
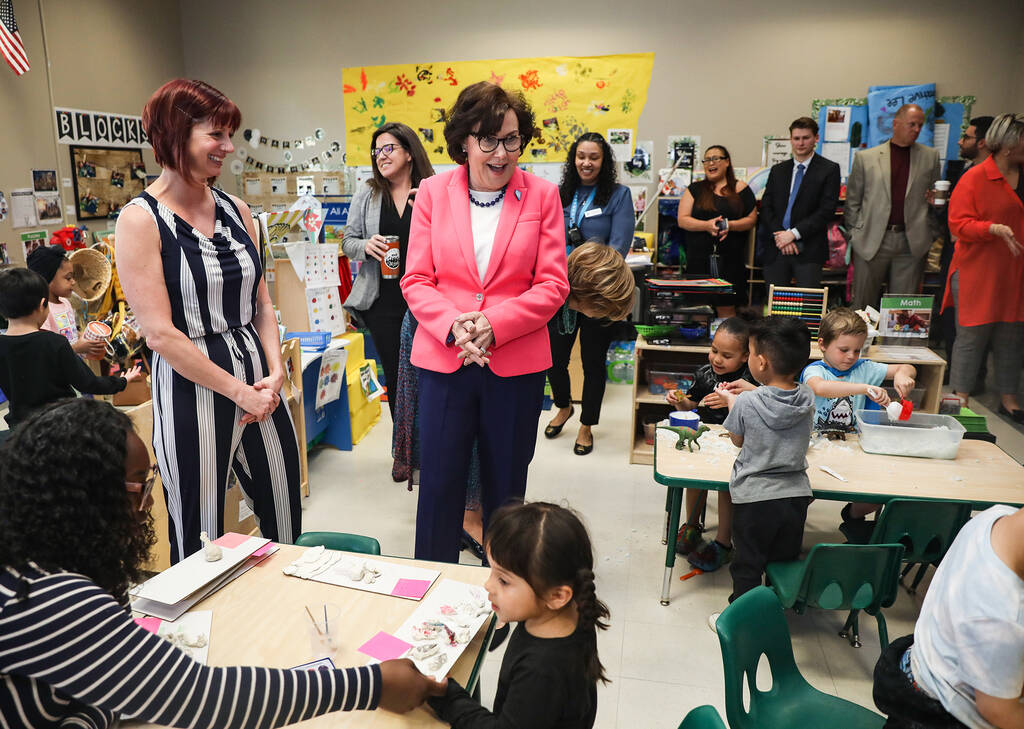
763, 532
594, 341
384, 320
806, 274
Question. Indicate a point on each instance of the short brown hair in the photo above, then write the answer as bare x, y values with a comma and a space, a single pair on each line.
601, 281
421, 167
174, 109
484, 105
841, 321
804, 122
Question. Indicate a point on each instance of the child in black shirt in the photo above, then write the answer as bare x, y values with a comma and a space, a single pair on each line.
727, 362
541, 577
39, 367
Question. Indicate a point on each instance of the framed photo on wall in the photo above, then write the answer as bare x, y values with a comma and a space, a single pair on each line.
105, 179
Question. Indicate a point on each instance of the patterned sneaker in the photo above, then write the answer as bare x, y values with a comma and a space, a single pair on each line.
688, 539
713, 622
711, 557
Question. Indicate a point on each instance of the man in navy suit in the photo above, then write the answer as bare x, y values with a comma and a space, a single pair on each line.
799, 201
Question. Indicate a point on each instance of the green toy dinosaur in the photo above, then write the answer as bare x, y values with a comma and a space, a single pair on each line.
687, 436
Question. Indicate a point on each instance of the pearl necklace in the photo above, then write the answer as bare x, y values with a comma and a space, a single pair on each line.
492, 203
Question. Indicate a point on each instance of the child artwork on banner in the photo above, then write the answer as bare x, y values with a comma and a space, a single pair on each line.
368, 381
324, 309
570, 96
332, 373
639, 167
281, 227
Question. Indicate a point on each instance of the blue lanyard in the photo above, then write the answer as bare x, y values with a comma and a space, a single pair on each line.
575, 204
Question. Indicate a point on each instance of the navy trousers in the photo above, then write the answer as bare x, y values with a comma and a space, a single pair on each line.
471, 404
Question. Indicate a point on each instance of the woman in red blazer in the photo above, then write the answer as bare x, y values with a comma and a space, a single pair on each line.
986, 213
486, 271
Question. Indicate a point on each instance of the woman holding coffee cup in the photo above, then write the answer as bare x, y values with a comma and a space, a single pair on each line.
378, 234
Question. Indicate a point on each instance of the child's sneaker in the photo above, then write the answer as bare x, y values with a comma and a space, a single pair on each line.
713, 622
688, 539
712, 556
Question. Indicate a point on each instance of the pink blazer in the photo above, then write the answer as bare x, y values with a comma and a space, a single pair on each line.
526, 280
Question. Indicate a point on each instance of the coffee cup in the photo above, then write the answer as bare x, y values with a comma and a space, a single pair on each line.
942, 191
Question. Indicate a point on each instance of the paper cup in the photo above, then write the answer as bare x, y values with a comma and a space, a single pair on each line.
96, 331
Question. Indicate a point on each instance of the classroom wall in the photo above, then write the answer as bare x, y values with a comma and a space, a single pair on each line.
105, 55
730, 71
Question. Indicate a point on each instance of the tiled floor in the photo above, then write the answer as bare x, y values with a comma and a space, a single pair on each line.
662, 661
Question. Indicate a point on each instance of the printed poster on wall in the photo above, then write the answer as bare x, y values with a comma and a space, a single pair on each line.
885, 101
569, 96
905, 319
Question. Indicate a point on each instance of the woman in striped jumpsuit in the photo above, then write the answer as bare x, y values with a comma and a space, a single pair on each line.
192, 274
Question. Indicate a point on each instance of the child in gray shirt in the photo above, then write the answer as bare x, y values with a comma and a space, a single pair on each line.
772, 425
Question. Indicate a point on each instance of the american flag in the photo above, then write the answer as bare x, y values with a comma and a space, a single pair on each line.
10, 39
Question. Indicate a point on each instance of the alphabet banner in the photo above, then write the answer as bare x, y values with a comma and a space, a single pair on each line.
569, 96
75, 126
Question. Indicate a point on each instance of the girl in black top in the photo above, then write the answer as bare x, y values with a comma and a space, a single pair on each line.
727, 362
541, 577
717, 213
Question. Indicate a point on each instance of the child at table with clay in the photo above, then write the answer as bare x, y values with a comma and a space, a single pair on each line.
842, 382
541, 578
771, 425
727, 362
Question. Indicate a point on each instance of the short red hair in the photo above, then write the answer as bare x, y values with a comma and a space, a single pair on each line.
174, 109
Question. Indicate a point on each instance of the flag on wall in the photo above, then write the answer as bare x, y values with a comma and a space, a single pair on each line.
10, 39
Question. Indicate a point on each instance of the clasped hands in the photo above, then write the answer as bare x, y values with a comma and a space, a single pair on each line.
473, 335
785, 241
260, 400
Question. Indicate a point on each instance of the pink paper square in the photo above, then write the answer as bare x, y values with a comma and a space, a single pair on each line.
384, 647
411, 588
150, 624
231, 540
262, 550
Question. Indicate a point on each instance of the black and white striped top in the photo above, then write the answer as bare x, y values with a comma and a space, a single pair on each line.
70, 656
211, 282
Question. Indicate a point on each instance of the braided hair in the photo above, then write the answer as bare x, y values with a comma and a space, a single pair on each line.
63, 503
548, 546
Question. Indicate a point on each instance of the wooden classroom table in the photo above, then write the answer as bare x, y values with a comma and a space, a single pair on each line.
259, 619
981, 473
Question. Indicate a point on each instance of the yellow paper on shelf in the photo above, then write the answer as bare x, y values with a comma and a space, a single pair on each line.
569, 96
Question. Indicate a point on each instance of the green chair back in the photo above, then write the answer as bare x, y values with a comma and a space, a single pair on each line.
703, 717
341, 541
849, 577
754, 626
924, 528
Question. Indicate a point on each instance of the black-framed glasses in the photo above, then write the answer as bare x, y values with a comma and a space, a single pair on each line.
145, 488
712, 160
489, 143
386, 149
967, 136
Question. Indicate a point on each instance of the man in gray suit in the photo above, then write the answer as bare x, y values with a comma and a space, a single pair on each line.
886, 211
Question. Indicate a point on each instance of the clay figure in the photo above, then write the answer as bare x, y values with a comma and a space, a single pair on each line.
212, 551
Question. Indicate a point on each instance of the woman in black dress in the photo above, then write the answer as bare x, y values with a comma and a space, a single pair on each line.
717, 214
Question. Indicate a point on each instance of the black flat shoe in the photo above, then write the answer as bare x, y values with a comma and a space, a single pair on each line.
581, 450
467, 542
553, 430
1016, 415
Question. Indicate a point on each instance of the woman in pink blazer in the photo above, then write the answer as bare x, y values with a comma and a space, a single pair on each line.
486, 270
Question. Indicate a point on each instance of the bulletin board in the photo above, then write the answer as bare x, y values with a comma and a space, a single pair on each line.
952, 110
105, 179
273, 192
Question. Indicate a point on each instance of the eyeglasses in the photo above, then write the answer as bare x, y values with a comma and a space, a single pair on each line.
387, 149
712, 160
513, 142
967, 136
144, 489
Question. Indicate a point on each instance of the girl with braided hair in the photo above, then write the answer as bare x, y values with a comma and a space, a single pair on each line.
542, 577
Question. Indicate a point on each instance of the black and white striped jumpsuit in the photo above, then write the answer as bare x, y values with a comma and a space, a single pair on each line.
212, 284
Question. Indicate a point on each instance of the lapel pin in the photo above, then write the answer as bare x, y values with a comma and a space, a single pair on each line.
519, 194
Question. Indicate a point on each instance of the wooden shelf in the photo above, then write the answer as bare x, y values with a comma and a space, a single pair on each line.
642, 452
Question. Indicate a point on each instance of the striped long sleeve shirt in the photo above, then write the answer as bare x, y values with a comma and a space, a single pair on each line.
70, 656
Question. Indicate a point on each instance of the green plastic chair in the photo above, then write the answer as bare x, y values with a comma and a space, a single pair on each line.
703, 717
841, 577
926, 529
754, 625
341, 541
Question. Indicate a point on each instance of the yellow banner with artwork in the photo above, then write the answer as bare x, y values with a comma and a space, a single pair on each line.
569, 96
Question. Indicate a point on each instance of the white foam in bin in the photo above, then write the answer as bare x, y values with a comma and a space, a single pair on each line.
923, 436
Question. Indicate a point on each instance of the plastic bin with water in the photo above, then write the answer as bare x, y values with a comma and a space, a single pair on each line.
923, 436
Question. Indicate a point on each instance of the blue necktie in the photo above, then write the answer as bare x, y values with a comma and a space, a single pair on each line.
792, 196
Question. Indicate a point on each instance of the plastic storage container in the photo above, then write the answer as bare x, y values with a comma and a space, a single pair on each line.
661, 381
923, 436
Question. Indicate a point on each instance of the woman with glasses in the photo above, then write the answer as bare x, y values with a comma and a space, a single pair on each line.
597, 209
486, 271
75, 532
383, 207
717, 213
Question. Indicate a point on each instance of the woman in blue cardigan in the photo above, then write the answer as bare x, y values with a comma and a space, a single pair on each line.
598, 209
